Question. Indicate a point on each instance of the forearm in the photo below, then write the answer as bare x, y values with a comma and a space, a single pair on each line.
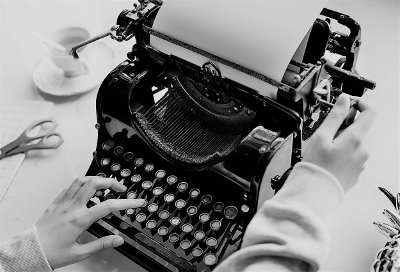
23, 252
289, 231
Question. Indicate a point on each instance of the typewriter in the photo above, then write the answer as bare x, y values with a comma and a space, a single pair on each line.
204, 150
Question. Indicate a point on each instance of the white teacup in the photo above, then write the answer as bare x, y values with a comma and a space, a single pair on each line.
69, 37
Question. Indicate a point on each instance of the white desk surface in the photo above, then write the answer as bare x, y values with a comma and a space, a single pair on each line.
44, 174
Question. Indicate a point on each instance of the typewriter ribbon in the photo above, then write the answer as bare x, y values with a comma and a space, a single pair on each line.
203, 143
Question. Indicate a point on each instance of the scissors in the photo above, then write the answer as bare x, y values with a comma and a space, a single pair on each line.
26, 141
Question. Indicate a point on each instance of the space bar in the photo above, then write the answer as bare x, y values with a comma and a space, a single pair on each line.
151, 244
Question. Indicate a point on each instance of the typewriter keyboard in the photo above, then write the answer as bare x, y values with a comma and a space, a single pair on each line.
188, 221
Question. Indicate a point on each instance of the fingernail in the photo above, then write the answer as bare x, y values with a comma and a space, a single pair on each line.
117, 241
142, 202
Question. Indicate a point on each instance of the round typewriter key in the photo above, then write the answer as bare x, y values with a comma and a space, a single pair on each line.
182, 186
124, 225
153, 207
107, 145
129, 212
206, 199
118, 150
105, 161
175, 221
109, 196
163, 214
180, 203
194, 193
99, 193
168, 198
199, 235
211, 242
192, 210
138, 162
115, 167
218, 207
140, 217
128, 156
244, 208
171, 179
147, 184
125, 173
160, 174
210, 259
151, 224
173, 238
204, 217
231, 212
187, 228
162, 231
136, 178
158, 191
101, 175
197, 252
131, 195
215, 225
185, 244
149, 167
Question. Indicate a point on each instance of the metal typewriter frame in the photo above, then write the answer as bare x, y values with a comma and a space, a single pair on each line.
145, 63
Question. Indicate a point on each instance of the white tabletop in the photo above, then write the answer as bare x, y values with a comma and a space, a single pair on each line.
44, 174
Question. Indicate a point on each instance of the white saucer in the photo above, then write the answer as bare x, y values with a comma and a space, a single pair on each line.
50, 79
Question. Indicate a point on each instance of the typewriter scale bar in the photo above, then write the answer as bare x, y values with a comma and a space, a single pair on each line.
181, 227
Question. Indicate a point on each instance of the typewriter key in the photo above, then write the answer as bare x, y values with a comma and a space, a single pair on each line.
244, 208
160, 174
215, 225
131, 195
128, 156
218, 207
173, 238
175, 221
199, 235
105, 161
210, 259
158, 191
206, 199
163, 214
192, 210
124, 225
230, 212
125, 173
211, 242
109, 196
99, 193
138, 162
149, 167
153, 207
151, 224
185, 244
194, 193
182, 186
168, 198
204, 217
147, 184
118, 150
187, 228
107, 145
129, 212
115, 167
162, 231
101, 175
136, 178
140, 217
180, 203
171, 179
197, 252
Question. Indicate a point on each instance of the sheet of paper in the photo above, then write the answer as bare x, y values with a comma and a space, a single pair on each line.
261, 35
15, 116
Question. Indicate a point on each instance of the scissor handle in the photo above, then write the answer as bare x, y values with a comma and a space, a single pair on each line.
43, 130
43, 143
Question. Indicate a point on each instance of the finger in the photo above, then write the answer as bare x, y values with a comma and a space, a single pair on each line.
60, 197
96, 183
74, 188
106, 242
336, 116
364, 121
111, 205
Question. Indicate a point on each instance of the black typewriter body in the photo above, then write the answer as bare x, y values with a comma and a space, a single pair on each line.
203, 150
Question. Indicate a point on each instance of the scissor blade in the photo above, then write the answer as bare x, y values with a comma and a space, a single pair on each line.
5, 150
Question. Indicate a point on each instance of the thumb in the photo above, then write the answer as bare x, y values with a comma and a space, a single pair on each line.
101, 244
